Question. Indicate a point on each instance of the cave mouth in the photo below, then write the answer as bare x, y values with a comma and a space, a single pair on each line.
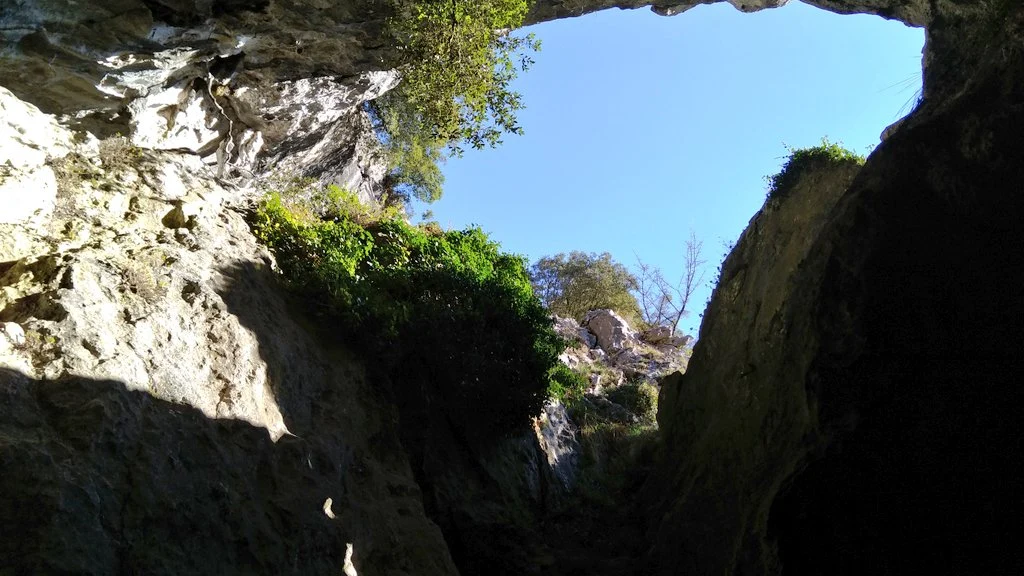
648, 125
655, 134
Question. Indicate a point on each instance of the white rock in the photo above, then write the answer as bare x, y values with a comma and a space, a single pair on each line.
28, 139
175, 118
612, 331
26, 194
14, 332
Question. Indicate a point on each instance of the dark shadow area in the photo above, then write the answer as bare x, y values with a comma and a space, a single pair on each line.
343, 406
923, 473
485, 495
98, 479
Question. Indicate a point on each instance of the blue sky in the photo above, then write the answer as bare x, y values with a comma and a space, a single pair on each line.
640, 128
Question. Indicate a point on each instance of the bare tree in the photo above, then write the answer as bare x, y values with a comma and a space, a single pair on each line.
663, 303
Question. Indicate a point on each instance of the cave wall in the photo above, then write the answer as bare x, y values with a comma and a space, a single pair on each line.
164, 407
868, 421
849, 407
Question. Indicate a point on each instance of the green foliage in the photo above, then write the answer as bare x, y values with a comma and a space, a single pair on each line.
640, 399
451, 319
807, 158
414, 154
565, 384
571, 285
458, 59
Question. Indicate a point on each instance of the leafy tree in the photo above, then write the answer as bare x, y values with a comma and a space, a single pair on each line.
414, 154
663, 303
457, 59
571, 285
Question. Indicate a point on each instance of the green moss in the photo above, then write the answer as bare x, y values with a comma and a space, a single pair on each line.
804, 159
640, 399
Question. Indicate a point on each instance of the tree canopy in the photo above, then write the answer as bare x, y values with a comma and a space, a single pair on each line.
457, 59
575, 283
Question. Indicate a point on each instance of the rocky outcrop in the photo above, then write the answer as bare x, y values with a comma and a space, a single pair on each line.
914, 12
851, 405
252, 89
612, 331
163, 409
610, 352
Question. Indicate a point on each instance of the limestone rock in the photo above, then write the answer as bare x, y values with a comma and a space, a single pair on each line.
557, 436
153, 378
657, 335
612, 331
571, 330
680, 341
14, 333
914, 12
28, 139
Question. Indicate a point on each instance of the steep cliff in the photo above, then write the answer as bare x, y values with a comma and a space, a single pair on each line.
164, 410
851, 406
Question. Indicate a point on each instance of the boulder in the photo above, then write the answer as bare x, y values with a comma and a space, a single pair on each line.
571, 330
657, 335
612, 331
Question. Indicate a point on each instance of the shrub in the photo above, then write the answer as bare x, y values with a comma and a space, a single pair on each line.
640, 399
803, 159
450, 319
118, 153
572, 285
565, 384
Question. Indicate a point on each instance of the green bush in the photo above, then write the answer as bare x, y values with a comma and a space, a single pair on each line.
565, 384
450, 319
800, 160
640, 399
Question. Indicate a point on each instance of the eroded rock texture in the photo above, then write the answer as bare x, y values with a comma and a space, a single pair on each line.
162, 409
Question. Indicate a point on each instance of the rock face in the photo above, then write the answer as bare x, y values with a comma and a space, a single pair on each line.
616, 353
915, 12
828, 422
252, 88
162, 409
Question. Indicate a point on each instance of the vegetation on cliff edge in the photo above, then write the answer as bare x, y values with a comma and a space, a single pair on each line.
800, 160
451, 318
457, 59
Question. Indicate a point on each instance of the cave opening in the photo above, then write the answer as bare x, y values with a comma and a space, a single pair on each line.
651, 126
